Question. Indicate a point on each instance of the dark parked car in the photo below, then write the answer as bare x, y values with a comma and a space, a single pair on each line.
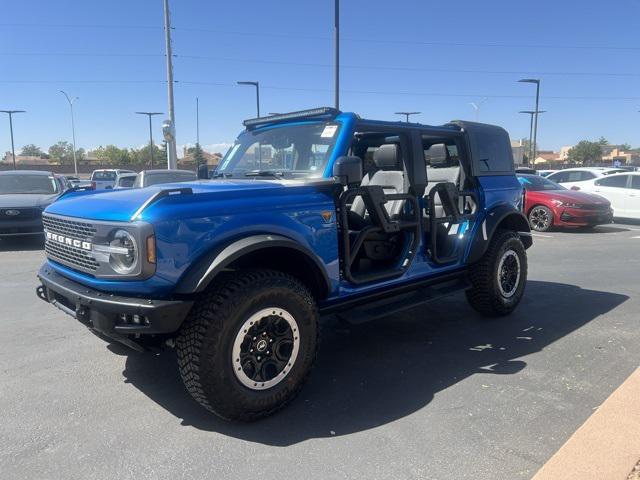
23, 197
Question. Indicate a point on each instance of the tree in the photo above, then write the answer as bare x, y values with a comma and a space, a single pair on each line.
603, 141
112, 155
31, 150
197, 154
585, 153
62, 152
142, 156
626, 147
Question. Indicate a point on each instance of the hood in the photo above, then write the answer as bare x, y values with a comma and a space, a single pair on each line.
25, 200
122, 205
574, 196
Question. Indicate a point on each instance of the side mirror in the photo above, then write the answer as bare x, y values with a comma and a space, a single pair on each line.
203, 172
348, 170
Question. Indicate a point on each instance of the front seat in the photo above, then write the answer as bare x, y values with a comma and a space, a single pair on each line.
389, 175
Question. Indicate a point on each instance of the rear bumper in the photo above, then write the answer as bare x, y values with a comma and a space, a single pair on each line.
113, 315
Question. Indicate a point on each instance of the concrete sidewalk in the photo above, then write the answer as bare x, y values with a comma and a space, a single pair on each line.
607, 445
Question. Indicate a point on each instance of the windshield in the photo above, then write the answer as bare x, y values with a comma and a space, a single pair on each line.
291, 151
40, 184
536, 183
103, 176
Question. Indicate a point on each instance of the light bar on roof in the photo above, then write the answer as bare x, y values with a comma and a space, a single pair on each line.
314, 112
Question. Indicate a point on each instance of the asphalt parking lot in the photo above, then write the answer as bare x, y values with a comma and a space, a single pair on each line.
436, 393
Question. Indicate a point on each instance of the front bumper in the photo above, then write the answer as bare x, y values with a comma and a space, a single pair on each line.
112, 315
17, 227
577, 217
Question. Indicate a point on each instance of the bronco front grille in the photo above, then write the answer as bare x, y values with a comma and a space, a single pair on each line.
71, 255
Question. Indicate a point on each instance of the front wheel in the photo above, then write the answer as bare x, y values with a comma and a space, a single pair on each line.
499, 278
540, 218
247, 347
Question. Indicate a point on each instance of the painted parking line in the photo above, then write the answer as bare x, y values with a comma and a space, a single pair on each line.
541, 236
637, 236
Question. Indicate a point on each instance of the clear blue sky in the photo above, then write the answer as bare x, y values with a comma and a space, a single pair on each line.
411, 50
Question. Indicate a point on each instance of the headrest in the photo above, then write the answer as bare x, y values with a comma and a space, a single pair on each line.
438, 156
386, 156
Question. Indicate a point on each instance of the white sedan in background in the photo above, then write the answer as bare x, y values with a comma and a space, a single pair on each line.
577, 178
621, 189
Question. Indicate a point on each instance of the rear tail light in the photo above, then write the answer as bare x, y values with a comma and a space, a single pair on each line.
93, 185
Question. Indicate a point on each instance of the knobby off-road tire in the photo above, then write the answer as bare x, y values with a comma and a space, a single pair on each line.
498, 280
226, 333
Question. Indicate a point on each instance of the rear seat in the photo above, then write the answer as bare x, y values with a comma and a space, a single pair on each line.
440, 169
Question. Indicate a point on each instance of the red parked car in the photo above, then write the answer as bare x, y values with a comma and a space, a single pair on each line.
548, 204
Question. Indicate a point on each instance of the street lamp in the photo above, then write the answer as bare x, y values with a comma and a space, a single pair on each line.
73, 129
531, 113
257, 85
150, 114
407, 114
536, 111
13, 149
476, 107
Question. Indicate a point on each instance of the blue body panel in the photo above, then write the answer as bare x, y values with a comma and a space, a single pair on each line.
189, 226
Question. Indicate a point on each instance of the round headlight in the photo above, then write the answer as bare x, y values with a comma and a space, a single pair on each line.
126, 261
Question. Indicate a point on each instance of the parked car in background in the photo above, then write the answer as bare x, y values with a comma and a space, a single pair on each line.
622, 190
548, 204
73, 180
24, 194
146, 178
576, 178
125, 180
105, 179
526, 170
546, 173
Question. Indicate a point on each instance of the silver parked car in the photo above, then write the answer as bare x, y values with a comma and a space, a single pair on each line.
146, 178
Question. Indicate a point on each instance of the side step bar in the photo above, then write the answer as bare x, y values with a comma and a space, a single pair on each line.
398, 303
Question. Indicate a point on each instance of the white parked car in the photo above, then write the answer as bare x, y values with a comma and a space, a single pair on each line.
622, 190
576, 178
106, 179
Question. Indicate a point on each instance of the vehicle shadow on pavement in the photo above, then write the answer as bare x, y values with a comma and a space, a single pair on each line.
372, 374
22, 244
596, 229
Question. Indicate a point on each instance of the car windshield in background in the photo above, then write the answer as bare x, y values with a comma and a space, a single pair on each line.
160, 178
103, 176
38, 184
536, 183
290, 151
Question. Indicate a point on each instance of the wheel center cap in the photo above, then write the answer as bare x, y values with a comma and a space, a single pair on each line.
261, 346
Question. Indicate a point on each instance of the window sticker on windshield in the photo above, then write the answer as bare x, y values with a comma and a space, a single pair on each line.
329, 131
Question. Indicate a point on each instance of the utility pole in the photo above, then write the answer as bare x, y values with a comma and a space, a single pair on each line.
172, 154
536, 81
407, 114
257, 85
197, 122
150, 114
73, 129
476, 107
13, 149
336, 47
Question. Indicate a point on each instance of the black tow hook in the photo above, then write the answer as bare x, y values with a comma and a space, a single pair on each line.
42, 295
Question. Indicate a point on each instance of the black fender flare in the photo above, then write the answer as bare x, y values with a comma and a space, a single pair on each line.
506, 216
198, 278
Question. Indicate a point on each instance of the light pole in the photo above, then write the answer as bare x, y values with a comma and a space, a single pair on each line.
150, 114
407, 114
336, 52
530, 158
476, 107
536, 110
257, 85
13, 149
197, 121
73, 129
169, 128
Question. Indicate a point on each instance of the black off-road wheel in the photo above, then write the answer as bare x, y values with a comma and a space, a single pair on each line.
498, 280
540, 218
247, 347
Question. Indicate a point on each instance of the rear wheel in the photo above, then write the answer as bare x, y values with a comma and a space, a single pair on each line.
247, 347
499, 278
540, 218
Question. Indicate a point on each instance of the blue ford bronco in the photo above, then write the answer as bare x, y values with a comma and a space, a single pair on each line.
309, 213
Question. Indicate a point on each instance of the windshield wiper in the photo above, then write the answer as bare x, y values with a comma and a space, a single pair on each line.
264, 173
